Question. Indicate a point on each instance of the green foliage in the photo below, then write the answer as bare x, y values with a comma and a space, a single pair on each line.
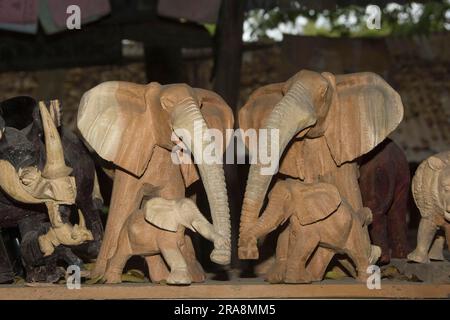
398, 20
211, 28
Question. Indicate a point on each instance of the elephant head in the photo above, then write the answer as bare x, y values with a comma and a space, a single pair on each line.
170, 214
113, 114
431, 186
352, 112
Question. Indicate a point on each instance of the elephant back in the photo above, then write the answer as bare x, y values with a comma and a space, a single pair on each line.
425, 183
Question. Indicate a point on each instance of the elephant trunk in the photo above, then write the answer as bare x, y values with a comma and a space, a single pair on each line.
292, 114
273, 216
190, 126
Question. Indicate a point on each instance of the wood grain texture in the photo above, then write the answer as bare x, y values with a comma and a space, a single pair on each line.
234, 290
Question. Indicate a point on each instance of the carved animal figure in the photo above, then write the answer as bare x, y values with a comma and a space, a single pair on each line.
34, 176
318, 217
325, 122
135, 126
384, 182
155, 231
431, 191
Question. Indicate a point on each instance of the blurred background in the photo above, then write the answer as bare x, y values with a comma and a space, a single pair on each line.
233, 47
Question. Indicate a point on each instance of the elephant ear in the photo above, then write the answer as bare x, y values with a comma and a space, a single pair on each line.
253, 115
162, 214
258, 107
425, 184
123, 122
363, 112
218, 115
316, 201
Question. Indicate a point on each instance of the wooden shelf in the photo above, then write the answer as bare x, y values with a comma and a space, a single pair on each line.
237, 289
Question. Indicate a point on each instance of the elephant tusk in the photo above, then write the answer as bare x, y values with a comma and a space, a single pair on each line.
81, 222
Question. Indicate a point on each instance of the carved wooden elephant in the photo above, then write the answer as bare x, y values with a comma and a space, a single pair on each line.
384, 182
325, 122
156, 232
318, 217
431, 191
134, 127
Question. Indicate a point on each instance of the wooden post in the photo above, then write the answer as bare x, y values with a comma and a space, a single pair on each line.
227, 74
164, 64
228, 51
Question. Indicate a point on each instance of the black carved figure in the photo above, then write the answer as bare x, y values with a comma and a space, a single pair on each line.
46, 177
385, 182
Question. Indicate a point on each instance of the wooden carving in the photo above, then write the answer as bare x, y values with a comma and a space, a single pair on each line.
385, 183
133, 126
155, 233
34, 176
318, 217
431, 191
325, 122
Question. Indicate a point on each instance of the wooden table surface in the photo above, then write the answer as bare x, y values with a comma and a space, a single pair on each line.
235, 289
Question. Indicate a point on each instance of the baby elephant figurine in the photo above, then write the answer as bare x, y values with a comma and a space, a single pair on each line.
318, 216
158, 229
431, 191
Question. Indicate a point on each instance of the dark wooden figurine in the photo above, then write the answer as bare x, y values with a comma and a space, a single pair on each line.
384, 182
46, 174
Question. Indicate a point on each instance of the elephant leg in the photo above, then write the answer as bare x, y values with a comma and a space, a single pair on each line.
157, 268
116, 264
124, 200
278, 270
303, 246
447, 234
319, 263
378, 230
425, 236
176, 191
437, 248
6, 271
195, 269
269, 221
179, 273
396, 225
357, 251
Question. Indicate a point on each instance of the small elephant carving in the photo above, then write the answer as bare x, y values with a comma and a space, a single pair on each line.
431, 192
157, 232
318, 217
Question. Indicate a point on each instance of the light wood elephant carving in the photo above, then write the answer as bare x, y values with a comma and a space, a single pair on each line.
431, 191
325, 122
318, 217
133, 126
155, 232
